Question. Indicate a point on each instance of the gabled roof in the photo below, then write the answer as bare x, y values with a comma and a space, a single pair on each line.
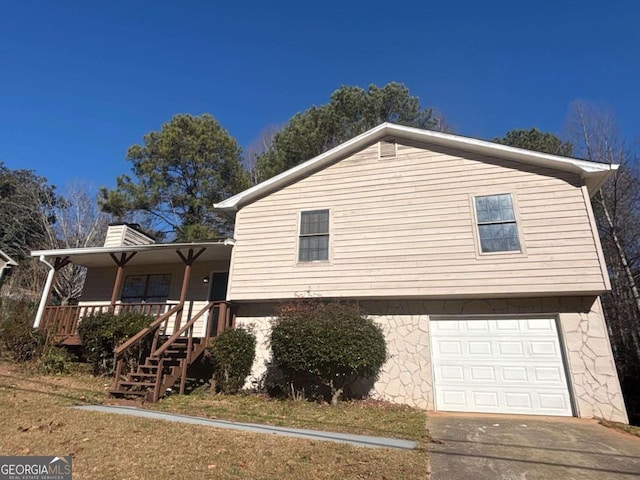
7, 259
594, 174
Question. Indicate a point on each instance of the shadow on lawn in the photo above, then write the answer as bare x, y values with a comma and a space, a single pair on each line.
79, 395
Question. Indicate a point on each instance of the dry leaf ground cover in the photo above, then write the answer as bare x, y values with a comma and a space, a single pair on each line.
35, 419
631, 429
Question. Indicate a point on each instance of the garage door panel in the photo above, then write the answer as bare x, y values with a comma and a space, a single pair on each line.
452, 373
518, 400
501, 401
449, 347
541, 325
514, 375
506, 326
481, 373
498, 371
446, 326
510, 349
552, 401
515, 327
541, 348
489, 348
478, 326
479, 347
552, 375
455, 398
485, 400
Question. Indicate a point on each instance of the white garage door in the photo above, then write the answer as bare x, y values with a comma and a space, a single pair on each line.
499, 366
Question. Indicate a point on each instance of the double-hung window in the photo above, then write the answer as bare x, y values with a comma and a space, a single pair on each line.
314, 236
146, 288
497, 226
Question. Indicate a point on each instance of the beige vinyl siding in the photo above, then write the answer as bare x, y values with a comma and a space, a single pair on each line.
405, 226
99, 283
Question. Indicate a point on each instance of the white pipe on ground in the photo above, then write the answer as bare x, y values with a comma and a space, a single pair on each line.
45, 292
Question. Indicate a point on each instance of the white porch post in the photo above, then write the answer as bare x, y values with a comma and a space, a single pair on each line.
59, 263
45, 293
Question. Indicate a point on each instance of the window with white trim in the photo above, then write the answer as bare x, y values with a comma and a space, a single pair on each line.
497, 227
314, 236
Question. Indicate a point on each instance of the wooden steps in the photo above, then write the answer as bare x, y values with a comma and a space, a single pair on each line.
170, 357
157, 374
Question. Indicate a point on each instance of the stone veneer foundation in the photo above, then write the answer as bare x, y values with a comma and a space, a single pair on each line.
406, 377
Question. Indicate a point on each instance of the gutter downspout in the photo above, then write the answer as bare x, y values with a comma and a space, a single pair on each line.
2, 270
45, 292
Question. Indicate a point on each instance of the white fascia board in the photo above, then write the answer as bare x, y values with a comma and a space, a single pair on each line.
594, 173
127, 248
504, 151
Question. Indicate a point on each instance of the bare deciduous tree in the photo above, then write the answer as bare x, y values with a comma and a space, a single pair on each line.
79, 224
442, 124
257, 148
595, 135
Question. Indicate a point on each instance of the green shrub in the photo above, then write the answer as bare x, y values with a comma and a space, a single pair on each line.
325, 347
20, 311
21, 342
232, 355
103, 332
18, 339
56, 361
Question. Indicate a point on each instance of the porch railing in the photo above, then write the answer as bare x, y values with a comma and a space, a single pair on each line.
63, 320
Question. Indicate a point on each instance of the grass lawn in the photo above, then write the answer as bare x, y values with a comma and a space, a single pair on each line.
367, 417
35, 419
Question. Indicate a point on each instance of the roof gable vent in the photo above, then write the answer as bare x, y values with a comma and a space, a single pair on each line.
387, 149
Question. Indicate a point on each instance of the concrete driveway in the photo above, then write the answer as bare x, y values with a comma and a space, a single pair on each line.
494, 447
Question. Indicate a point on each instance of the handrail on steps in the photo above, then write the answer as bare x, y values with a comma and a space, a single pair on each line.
137, 338
158, 352
188, 328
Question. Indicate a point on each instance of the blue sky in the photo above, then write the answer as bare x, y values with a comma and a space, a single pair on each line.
80, 81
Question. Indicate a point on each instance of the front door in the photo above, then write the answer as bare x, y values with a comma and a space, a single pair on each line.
217, 293
218, 290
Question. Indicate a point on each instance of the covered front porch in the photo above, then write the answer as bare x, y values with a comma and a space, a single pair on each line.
171, 282
183, 286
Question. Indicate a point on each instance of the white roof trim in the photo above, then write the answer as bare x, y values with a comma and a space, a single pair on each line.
594, 173
64, 252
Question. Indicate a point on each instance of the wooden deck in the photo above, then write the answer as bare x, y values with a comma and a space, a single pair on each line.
61, 322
